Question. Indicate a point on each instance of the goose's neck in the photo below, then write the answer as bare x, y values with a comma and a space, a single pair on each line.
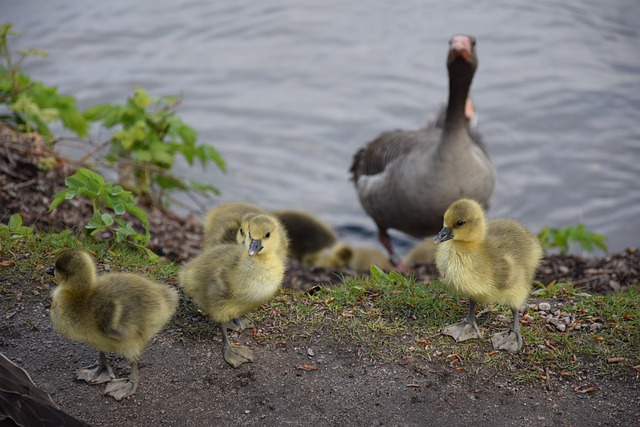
458, 92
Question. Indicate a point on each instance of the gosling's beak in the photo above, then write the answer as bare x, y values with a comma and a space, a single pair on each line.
444, 235
255, 246
50, 271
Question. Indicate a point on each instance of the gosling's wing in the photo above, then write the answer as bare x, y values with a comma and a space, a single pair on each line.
110, 317
23, 403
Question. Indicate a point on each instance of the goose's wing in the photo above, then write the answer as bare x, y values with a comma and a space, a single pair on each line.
373, 158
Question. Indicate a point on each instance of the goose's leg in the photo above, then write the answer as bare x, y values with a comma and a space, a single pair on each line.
234, 356
239, 324
465, 329
510, 340
124, 387
98, 373
385, 239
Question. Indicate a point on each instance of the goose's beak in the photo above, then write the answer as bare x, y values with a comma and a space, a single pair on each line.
444, 235
50, 271
255, 246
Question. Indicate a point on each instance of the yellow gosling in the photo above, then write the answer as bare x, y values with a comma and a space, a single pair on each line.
343, 255
118, 312
423, 252
222, 222
490, 261
230, 280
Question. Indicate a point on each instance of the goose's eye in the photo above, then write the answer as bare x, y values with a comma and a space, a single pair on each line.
266, 236
460, 223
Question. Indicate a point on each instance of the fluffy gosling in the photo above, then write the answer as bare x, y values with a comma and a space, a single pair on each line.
307, 234
490, 261
222, 222
118, 312
230, 280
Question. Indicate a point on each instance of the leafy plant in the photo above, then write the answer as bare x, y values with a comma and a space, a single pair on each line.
564, 238
110, 202
555, 288
31, 104
145, 146
14, 228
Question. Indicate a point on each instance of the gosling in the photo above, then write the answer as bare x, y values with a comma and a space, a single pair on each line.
307, 234
230, 280
115, 312
342, 255
490, 261
222, 222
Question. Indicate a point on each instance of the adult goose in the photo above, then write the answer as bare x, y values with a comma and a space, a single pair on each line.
406, 180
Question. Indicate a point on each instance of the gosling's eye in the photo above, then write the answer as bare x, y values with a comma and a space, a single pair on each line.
241, 231
266, 236
460, 223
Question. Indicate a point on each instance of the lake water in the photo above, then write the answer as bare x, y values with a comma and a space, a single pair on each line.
287, 91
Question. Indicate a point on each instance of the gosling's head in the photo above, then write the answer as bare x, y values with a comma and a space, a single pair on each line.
463, 222
73, 266
261, 234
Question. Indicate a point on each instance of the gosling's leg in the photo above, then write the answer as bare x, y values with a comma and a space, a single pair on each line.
234, 356
124, 387
510, 340
239, 324
98, 373
467, 328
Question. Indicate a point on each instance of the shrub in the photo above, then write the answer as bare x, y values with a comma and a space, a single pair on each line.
564, 238
145, 145
110, 202
32, 105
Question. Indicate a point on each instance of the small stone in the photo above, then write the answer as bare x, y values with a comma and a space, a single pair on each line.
563, 269
561, 327
310, 352
247, 411
544, 306
595, 326
578, 326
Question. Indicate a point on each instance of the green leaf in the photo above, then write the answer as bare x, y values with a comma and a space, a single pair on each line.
96, 221
59, 197
107, 219
141, 98
15, 221
377, 274
99, 112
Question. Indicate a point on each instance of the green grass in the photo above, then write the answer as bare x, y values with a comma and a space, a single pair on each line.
381, 318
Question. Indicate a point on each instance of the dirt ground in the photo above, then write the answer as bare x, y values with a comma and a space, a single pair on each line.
187, 383
307, 381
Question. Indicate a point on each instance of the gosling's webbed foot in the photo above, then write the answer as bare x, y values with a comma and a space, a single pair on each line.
462, 331
121, 388
236, 356
239, 324
96, 374
510, 341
